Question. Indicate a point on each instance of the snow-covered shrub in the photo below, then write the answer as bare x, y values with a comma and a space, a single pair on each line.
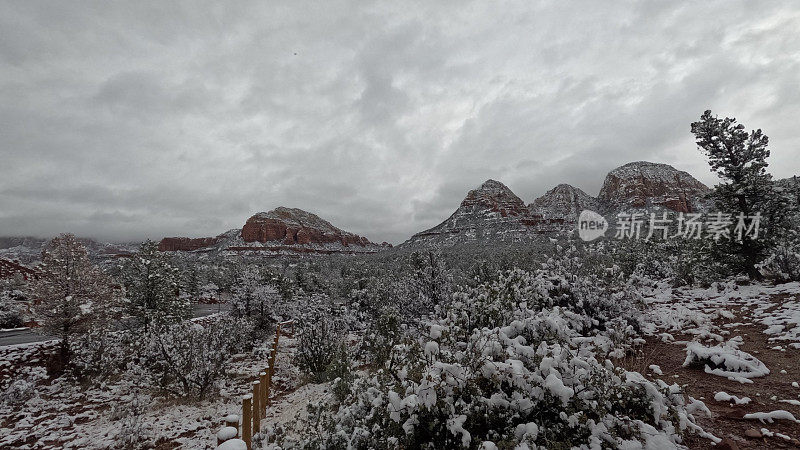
23, 387
102, 353
725, 360
431, 280
592, 304
508, 385
513, 361
254, 298
316, 346
11, 304
134, 432
381, 336
186, 359
782, 265
340, 371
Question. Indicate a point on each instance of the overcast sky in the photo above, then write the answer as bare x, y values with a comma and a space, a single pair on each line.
127, 120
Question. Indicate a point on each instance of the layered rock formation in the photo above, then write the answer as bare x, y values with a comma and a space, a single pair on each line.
492, 211
646, 185
563, 202
287, 230
291, 226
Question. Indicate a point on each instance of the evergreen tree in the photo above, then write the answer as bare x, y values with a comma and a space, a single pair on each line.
739, 158
71, 292
152, 287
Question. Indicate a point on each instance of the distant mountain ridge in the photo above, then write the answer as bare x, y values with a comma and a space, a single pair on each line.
490, 212
493, 211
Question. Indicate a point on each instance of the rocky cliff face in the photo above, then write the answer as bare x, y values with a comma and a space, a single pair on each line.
490, 212
563, 202
290, 226
647, 185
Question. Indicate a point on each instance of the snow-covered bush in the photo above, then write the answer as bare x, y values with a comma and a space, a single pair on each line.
591, 304
316, 346
186, 359
23, 387
12, 301
254, 298
134, 432
508, 385
725, 360
381, 336
782, 265
515, 361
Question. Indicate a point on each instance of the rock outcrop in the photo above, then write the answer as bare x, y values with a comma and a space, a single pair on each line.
563, 202
291, 226
646, 185
490, 212
280, 231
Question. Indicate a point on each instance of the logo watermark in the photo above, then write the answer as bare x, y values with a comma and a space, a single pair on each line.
637, 225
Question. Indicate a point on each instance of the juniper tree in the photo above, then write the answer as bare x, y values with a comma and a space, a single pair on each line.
739, 158
152, 287
71, 293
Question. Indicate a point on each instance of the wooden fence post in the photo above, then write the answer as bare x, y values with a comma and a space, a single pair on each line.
268, 377
247, 409
272, 362
263, 379
256, 407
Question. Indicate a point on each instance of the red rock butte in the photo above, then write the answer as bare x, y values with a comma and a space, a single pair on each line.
293, 226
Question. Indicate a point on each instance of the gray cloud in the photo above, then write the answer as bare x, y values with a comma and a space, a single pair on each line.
142, 120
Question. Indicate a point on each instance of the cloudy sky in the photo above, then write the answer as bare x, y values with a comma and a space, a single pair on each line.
125, 121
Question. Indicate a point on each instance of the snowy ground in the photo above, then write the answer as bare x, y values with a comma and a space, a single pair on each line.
737, 348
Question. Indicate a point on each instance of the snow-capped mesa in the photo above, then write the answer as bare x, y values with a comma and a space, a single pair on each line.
279, 230
648, 185
563, 202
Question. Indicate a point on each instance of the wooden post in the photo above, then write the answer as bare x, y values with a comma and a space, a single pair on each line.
247, 409
263, 379
256, 407
267, 387
272, 362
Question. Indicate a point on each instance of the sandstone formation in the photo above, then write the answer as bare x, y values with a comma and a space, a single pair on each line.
645, 185
563, 202
490, 212
291, 226
282, 230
